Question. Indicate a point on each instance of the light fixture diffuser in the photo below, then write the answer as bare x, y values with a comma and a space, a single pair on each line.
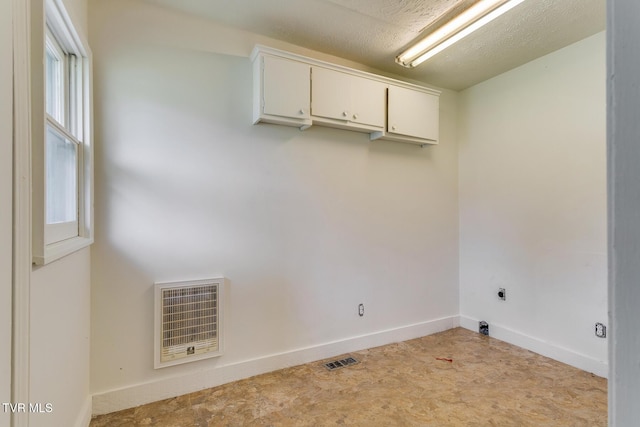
471, 19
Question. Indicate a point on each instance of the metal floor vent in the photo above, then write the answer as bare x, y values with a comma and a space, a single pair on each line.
340, 363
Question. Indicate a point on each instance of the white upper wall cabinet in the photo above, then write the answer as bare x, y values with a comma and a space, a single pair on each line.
412, 114
282, 92
294, 90
356, 102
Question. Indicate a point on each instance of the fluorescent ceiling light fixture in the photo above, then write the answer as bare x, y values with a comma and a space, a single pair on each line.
476, 16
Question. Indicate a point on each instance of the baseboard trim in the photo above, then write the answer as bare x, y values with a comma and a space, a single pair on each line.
140, 394
84, 417
561, 354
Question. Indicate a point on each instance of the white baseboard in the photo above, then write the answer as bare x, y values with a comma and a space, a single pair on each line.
84, 417
165, 388
553, 351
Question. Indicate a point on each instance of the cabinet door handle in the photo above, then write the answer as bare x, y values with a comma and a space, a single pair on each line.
355, 117
393, 128
345, 113
302, 111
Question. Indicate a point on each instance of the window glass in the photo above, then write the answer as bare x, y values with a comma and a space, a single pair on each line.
61, 178
54, 70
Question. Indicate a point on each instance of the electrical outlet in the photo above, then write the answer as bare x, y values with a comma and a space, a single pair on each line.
601, 330
502, 294
483, 327
361, 310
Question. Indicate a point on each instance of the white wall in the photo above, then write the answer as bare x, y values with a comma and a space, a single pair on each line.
306, 225
60, 304
60, 318
623, 85
6, 201
533, 204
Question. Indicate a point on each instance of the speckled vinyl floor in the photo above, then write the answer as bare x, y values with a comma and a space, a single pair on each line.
487, 383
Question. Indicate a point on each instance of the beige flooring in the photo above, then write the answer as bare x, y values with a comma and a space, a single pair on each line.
487, 383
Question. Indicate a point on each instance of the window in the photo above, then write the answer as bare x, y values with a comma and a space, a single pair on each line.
62, 156
62, 171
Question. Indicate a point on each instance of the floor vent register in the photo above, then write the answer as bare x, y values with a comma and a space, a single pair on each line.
336, 364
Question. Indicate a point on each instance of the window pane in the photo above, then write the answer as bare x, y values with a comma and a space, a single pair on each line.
62, 178
55, 83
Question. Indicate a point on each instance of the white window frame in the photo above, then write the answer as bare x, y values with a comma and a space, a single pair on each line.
54, 241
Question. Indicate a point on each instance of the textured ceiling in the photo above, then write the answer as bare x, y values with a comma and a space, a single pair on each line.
373, 32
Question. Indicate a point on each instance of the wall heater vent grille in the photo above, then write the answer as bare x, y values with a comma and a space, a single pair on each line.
188, 321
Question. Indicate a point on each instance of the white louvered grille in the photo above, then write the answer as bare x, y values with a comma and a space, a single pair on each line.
189, 321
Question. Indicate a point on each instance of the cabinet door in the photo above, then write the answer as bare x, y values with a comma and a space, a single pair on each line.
368, 101
330, 94
286, 88
341, 96
413, 113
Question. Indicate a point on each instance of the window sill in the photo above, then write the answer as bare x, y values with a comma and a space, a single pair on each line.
61, 249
